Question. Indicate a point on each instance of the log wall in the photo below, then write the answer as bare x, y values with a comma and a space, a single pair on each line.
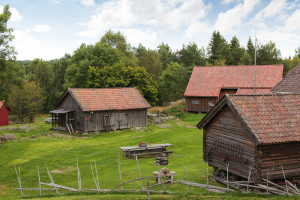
202, 107
287, 155
226, 141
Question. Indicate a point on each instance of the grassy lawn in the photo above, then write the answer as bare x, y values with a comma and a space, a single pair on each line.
36, 146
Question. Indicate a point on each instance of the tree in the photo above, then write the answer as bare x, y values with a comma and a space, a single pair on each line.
191, 55
27, 101
250, 50
7, 56
120, 75
290, 63
150, 60
166, 55
217, 49
236, 52
173, 82
268, 54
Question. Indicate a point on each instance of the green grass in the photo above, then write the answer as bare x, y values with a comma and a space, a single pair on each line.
39, 147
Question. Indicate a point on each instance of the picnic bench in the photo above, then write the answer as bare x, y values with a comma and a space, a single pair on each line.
152, 149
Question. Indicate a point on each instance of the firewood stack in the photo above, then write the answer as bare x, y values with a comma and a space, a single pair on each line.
162, 159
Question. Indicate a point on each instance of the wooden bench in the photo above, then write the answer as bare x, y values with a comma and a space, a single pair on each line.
147, 150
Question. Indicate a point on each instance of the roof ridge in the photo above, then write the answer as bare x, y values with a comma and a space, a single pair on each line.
103, 88
239, 65
271, 94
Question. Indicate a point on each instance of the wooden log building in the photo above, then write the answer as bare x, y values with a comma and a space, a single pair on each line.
290, 83
98, 109
4, 113
208, 84
261, 131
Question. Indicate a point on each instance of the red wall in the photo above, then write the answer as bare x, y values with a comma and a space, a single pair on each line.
4, 116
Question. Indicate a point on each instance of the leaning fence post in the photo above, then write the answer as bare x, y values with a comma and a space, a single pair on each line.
19, 180
285, 181
79, 176
138, 166
207, 173
148, 191
227, 167
120, 171
249, 175
187, 186
39, 181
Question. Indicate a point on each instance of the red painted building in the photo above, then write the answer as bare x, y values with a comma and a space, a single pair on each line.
4, 114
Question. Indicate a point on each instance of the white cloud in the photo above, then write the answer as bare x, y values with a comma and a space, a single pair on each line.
232, 19
135, 37
274, 8
228, 1
88, 33
87, 2
196, 28
56, 2
126, 14
293, 23
30, 48
15, 15
40, 28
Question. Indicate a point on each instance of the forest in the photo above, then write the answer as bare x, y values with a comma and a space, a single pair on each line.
161, 75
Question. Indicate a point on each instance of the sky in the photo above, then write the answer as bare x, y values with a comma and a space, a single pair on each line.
48, 29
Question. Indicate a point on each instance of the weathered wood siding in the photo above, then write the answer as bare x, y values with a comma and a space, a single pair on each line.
203, 105
287, 155
225, 140
68, 103
227, 91
118, 119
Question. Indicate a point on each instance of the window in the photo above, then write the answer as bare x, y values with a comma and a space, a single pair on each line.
196, 102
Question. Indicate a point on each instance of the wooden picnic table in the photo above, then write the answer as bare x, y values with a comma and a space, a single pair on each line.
152, 149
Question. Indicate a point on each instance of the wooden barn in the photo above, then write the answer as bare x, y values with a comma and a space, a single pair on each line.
97, 109
4, 114
208, 84
258, 132
290, 83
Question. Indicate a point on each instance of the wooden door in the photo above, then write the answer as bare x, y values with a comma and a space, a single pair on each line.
123, 120
114, 120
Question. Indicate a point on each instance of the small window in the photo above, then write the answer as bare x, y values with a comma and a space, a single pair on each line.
196, 102
210, 103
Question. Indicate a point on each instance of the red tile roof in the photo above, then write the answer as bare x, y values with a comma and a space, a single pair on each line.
96, 99
271, 118
208, 81
290, 83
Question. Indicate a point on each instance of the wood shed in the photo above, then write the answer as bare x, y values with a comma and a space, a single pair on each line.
208, 84
98, 109
290, 83
258, 132
4, 114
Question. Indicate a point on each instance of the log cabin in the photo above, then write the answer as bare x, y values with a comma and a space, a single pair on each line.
98, 109
4, 113
290, 83
258, 132
208, 84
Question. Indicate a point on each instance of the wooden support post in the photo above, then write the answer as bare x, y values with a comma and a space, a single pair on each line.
39, 181
187, 186
51, 179
268, 182
94, 177
207, 173
120, 171
148, 191
286, 187
249, 175
138, 166
227, 167
19, 180
79, 176
97, 175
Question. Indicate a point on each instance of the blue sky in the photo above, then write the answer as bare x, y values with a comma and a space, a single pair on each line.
48, 29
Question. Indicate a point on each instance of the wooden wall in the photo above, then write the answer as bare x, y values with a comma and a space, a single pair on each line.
225, 140
203, 105
287, 155
94, 121
118, 119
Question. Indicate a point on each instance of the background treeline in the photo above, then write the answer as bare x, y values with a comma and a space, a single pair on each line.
160, 74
